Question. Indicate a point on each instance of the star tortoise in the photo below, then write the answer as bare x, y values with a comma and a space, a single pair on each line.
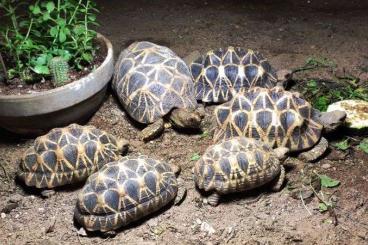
152, 82
277, 117
125, 191
236, 165
68, 155
221, 73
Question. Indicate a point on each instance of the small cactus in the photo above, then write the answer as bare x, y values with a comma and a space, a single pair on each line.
59, 69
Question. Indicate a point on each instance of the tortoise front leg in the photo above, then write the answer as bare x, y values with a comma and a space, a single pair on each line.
213, 199
315, 152
153, 130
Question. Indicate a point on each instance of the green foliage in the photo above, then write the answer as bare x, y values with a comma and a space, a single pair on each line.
59, 69
328, 182
205, 134
319, 62
195, 157
313, 63
322, 207
363, 145
342, 145
50, 29
320, 93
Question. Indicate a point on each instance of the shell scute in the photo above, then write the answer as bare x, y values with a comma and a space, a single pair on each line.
275, 116
131, 197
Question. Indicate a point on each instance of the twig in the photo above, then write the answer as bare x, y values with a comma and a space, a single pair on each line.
3, 67
329, 206
301, 198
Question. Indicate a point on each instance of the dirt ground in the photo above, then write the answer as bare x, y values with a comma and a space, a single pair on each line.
287, 32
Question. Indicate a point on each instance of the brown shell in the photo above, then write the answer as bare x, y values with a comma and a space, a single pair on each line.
151, 80
235, 165
68, 155
124, 191
277, 117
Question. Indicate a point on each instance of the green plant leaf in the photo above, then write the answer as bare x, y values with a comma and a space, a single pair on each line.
41, 69
50, 6
61, 22
195, 157
35, 9
46, 16
87, 57
54, 31
327, 181
321, 103
79, 29
205, 134
342, 145
363, 145
322, 207
41, 60
62, 36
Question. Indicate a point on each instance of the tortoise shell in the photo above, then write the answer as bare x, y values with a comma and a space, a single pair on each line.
151, 80
68, 155
125, 191
235, 165
277, 117
221, 73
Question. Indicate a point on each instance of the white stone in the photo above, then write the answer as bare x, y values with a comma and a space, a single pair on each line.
205, 227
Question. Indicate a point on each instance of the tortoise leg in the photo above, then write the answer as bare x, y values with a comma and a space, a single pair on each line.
276, 186
182, 192
153, 130
213, 199
315, 152
48, 193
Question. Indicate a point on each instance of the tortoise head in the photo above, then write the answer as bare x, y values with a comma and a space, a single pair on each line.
184, 118
122, 145
332, 119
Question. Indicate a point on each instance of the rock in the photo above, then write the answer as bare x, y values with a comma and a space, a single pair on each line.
356, 112
326, 165
82, 232
3, 215
205, 227
16, 198
9, 207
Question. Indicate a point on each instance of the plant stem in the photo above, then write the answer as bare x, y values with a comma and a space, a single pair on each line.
75, 11
3, 67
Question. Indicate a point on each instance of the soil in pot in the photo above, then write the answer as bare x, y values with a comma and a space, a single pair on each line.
17, 87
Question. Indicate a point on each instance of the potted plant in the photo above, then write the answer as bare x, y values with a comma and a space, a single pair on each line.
54, 69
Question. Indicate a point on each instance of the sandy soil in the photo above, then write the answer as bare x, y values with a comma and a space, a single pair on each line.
287, 32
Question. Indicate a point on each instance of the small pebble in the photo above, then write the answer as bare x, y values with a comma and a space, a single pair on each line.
41, 209
3, 215
326, 165
82, 232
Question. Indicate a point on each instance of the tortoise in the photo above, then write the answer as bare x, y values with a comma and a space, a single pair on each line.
68, 155
125, 191
153, 83
221, 73
279, 118
238, 164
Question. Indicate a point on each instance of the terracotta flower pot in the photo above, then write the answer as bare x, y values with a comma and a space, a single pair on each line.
74, 102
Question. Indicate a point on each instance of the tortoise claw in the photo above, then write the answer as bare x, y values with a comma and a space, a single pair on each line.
182, 192
48, 193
